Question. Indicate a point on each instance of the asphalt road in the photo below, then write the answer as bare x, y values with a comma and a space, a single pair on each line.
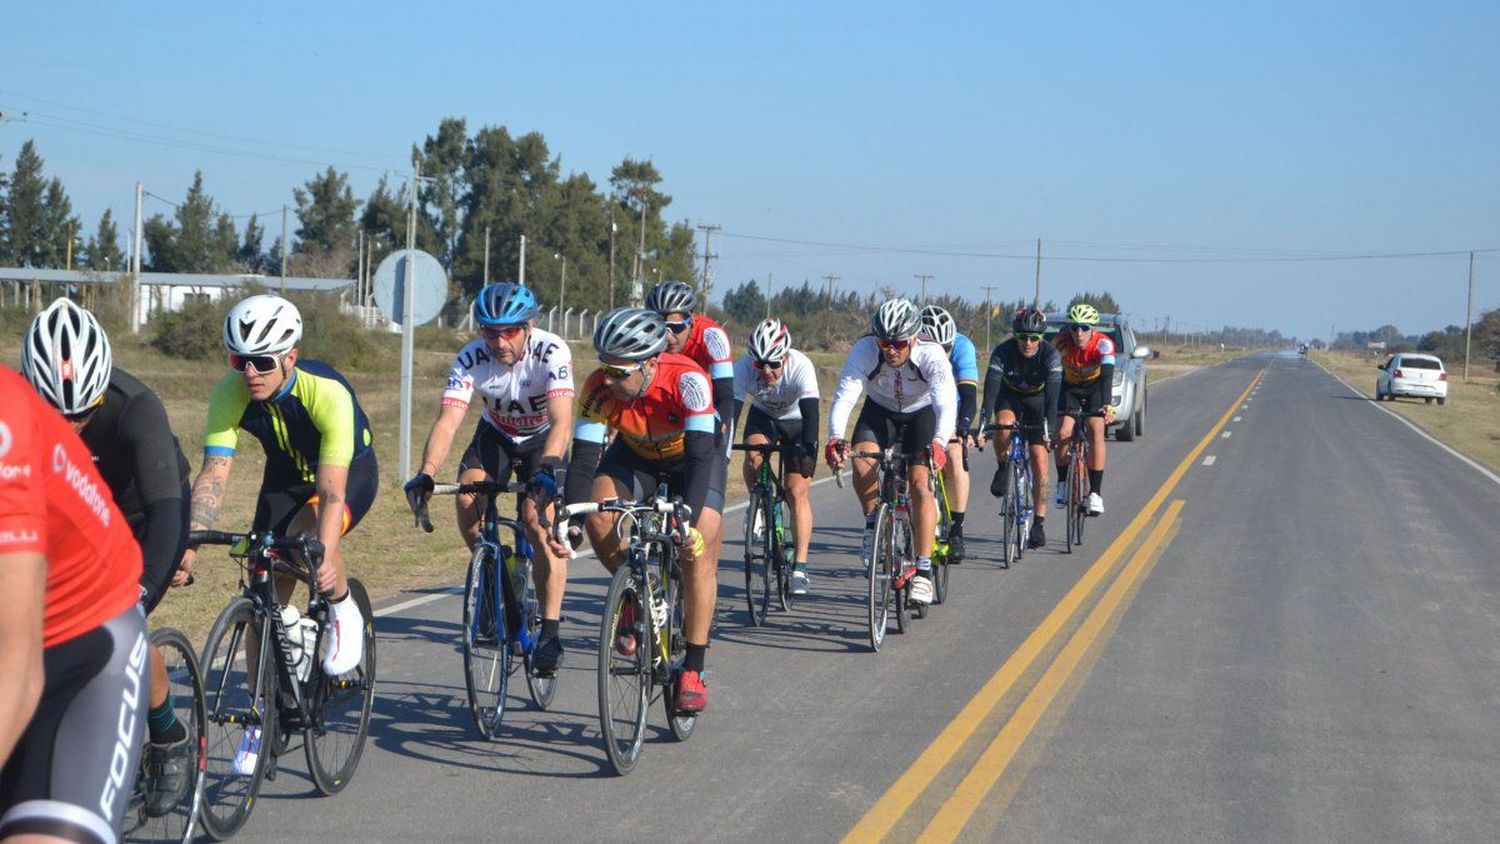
1295, 639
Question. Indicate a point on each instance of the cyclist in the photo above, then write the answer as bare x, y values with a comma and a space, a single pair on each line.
938, 327
660, 409
1088, 361
1022, 385
524, 378
72, 634
781, 385
321, 475
66, 357
910, 385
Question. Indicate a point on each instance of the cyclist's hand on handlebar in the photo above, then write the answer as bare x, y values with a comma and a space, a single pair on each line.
938, 451
417, 490
183, 575
1109, 414
543, 485
694, 547
833, 453
973, 438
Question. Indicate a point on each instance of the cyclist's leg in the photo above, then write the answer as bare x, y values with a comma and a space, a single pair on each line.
760, 429
485, 458
873, 431
550, 573
72, 771
915, 438
359, 494
798, 487
615, 478
1004, 415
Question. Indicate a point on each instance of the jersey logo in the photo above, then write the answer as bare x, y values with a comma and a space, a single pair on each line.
696, 396
469, 360
5, 439
717, 342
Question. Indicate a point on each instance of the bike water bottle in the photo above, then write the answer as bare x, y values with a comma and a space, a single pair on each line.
291, 622
308, 628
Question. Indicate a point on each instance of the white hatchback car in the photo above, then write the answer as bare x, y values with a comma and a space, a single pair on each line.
1410, 374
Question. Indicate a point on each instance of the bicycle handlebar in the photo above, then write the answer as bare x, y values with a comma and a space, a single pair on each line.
674, 509
490, 488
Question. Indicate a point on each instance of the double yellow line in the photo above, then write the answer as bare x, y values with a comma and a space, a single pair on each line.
959, 807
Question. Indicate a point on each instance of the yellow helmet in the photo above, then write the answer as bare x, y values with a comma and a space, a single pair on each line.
1083, 314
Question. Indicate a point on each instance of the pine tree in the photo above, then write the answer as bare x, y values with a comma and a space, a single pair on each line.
103, 251
250, 257
26, 242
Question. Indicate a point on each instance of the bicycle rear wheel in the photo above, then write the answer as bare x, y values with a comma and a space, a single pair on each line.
680, 724
487, 657
1081, 492
881, 576
178, 820
232, 709
624, 678
341, 710
1008, 518
758, 547
542, 689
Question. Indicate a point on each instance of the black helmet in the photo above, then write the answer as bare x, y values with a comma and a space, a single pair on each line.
1029, 321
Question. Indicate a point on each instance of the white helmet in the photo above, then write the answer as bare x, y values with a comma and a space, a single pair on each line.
262, 325
770, 341
938, 325
66, 357
896, 319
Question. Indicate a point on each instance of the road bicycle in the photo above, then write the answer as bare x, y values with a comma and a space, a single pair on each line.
493, 651
1077, 477
892, 562
1017, 507
641, 640
768, 551
938, 485
264, 680
150, 816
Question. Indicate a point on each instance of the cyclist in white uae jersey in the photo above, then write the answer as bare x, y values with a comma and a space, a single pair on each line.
524, 378
782, 388
911, 390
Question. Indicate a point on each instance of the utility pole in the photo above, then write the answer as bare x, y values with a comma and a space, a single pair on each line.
486, 256
135, 266
989, 311
286, 255
770, 279
408, 325
708, 275
613, 230
640, 257
828, 314
521, 271
562, 290
1469, 319
924, 278
1037, 301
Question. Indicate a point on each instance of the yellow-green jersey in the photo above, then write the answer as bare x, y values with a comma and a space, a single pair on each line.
314, 420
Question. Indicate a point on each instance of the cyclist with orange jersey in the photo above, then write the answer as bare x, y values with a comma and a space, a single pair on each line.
72, 633
1088, 361
661, 410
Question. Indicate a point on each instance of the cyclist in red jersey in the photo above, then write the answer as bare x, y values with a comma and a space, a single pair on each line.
72, 635
1088, 362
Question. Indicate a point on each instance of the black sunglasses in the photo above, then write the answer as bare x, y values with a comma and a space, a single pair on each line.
679, 327
768, 364
1034, 338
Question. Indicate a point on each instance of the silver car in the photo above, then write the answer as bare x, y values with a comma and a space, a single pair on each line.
1128, 393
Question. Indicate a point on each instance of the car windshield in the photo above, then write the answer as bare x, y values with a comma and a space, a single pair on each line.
1421, 363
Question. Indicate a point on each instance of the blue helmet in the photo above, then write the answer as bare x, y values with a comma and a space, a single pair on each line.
504, 303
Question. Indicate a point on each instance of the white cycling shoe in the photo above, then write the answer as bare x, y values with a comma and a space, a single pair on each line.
921, 588
1096, 504
344, 640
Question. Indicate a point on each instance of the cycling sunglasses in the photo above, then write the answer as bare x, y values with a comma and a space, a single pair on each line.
262, 364
619, 373
768, 364
503, 332
1031, 338
897, 345
1077, 327
679, 327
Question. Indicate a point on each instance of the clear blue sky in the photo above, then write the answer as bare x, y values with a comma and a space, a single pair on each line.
1110, 130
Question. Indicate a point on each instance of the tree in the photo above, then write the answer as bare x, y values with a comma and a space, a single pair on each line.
103, 250
745, 303
325, 213
249, 256
4, 218
1102, 300
160, 238
59, 226
26, 242
445, 159
197, 246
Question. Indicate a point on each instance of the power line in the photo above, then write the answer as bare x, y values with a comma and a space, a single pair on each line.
178, 206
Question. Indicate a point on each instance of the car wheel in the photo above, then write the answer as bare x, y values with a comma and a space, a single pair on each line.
1427, 400
1126, 432
1442, 401
1140, 417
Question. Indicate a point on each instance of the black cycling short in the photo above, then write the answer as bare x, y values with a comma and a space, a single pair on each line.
280, 502
74, 768
641, 476
878, 425
1030, 409
1086, 398
784, 432
500, 456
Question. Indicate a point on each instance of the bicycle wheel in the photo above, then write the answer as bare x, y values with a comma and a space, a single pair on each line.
231, 710
176, 817
680, 724
881, 576
1025, 507
784, 552
624, 678
905, 554
758, 543
341, 710
542, 689
1081, 492
1008, 508
487, 659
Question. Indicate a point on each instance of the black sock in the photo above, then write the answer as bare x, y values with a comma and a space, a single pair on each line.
1096, 481
958, 519
549, 629
163, 724
1040, 519
694, 659
869, 521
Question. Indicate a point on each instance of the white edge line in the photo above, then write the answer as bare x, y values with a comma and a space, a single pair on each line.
445, 591
1412, 425
1225, 435
1209, 460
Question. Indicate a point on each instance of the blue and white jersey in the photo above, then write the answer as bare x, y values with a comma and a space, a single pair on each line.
964, 360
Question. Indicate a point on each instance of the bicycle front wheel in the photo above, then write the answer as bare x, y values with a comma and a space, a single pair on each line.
541, 688
882, 571
626, 650
758, 545
239, 718
487, 658
341, 710
680, 724
154, 815
1025, 508
1008, 508
784, 552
